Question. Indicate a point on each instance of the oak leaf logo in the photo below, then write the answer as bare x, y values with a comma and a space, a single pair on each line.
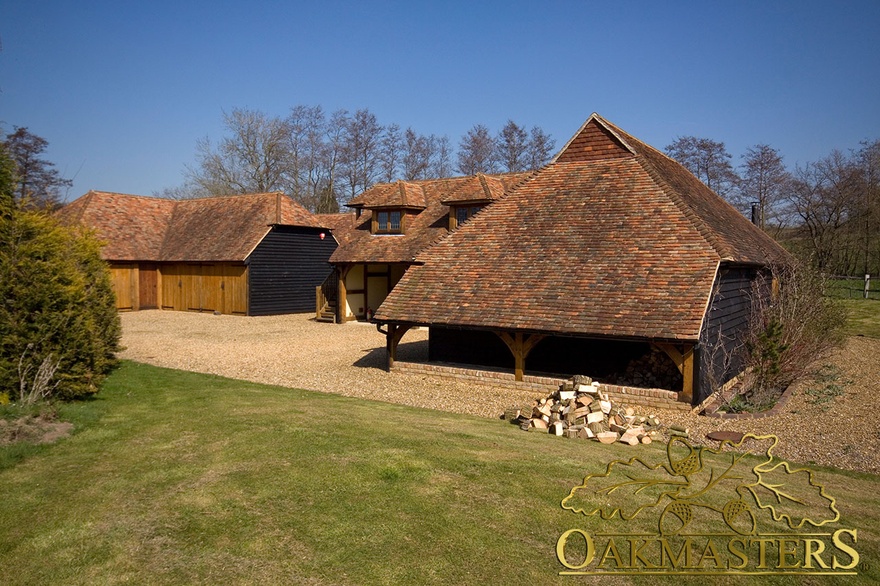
749, 480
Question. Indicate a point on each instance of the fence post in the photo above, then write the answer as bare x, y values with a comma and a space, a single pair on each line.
867, 285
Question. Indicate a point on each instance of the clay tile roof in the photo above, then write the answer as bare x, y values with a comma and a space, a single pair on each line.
132, 226
610, 239
424, 226
480, 188
402, 194
210, 229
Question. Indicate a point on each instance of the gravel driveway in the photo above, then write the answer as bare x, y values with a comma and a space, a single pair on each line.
295, 351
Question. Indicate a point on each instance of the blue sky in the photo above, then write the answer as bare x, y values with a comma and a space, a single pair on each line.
123, 90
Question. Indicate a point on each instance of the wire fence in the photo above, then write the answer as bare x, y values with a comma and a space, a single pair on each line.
843, 287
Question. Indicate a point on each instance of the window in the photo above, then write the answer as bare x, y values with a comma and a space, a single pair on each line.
388, 222
464, 213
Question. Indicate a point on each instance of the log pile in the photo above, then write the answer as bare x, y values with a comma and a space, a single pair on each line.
579, 409
652, 370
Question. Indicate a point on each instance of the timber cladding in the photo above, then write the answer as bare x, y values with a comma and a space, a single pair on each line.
211, 287
255, 254
125, 284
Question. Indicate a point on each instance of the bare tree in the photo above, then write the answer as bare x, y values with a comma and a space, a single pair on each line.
362, 141
392, 147
476, 152
540, 148
821, 196
253, 158
511, 147
333, 155
764, 183
710, 162
441, 163
418, 150
308, 161
37, 183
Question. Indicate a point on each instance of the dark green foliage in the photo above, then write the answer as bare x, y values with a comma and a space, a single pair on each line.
56, 304
767, 353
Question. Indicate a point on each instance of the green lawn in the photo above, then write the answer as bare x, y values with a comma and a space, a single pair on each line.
863, 317
179, 478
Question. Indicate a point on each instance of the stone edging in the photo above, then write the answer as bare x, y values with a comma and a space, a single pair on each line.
774, 410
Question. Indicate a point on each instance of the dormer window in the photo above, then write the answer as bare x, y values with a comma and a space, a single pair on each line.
461, 214
388, 222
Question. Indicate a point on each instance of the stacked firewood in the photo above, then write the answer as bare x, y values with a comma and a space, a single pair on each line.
579, 409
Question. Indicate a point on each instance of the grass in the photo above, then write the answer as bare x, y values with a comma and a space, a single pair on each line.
180, 478
854, 288
863, 317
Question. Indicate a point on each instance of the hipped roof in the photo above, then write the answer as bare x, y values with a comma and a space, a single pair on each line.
612, 238
137, 228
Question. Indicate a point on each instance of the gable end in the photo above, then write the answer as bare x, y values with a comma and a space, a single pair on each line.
594, 142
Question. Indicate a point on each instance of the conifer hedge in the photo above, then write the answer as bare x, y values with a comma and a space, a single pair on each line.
59, 328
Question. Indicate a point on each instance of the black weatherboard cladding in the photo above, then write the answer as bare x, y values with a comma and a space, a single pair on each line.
285, 268
723, 335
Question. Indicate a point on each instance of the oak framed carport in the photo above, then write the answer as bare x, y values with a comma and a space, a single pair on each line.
611, 240
520, 344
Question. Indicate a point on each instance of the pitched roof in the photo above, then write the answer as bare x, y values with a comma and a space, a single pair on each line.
132, 226
612, 238
401, 194
209, 229
477, 188
423, 228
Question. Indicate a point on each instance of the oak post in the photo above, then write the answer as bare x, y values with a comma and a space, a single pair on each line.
519, 346
684, 361
341, 297
392, 339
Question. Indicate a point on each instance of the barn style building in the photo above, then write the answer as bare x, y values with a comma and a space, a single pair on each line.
257, 254
393, 223
610, 252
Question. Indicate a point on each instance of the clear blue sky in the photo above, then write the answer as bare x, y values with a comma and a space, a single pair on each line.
123, 90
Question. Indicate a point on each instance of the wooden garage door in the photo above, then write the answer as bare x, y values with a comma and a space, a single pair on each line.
205, 287
148, 286
125, 285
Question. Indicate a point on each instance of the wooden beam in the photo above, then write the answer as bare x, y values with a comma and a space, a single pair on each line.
520, 346
392, 339
342, 295
684, 360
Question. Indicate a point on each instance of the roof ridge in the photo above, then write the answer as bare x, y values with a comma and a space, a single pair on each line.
718, 244
170, 220
485, 185
132, 195
82, 209
686, 209
234, 195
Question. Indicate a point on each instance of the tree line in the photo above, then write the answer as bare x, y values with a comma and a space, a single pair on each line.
827, 211
323, 161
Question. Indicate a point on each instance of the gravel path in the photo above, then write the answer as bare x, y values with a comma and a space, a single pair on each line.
295, 351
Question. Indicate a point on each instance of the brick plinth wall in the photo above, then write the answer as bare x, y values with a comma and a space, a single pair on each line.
545, 385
